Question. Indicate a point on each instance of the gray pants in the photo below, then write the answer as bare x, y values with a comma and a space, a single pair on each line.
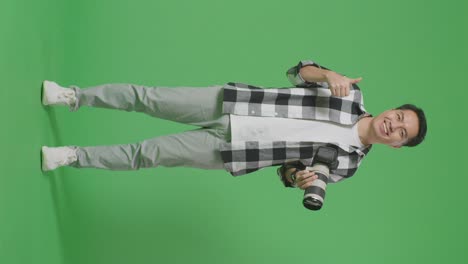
199, 148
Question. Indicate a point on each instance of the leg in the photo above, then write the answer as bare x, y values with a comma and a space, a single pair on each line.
197, 148
189, 105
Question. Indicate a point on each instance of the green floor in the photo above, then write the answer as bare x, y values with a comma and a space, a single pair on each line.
403, 206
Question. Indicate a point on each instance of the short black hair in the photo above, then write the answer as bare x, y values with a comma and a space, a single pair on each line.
422, 124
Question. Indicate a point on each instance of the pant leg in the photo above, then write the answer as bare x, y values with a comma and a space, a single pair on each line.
197, 148
190, 105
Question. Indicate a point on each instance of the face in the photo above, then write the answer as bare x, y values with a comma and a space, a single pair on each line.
395, 127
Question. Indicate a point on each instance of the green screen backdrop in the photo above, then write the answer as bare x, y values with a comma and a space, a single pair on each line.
402, 206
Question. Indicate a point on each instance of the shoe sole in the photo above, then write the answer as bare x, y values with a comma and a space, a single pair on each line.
43, 159
44, 97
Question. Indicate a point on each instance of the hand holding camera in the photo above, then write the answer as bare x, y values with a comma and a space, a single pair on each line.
303, 178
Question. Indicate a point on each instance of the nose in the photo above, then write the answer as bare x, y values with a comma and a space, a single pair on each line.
395, 124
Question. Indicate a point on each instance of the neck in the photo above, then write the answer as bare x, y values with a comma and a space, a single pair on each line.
365, 131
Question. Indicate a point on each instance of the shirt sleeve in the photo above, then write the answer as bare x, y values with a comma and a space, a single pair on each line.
295, 77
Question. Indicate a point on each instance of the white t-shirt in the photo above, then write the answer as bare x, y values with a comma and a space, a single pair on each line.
251, 128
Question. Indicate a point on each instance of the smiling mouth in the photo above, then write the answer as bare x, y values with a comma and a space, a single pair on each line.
384, 128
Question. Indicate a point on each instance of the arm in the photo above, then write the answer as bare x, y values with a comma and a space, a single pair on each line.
296, 79
338, 84
310, 74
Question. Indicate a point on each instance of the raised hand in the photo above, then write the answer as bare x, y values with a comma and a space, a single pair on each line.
338, 84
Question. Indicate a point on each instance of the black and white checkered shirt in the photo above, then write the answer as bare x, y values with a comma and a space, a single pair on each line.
306, 100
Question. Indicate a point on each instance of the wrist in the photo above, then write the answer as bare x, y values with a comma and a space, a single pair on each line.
327, 74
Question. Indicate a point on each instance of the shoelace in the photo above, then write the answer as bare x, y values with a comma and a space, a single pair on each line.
68, 96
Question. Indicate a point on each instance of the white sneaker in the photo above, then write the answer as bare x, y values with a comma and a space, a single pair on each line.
54, 94
53, 158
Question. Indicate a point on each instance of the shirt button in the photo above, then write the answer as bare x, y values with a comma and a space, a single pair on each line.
253, 112
276, 113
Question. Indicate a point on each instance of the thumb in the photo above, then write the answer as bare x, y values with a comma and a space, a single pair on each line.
356, 80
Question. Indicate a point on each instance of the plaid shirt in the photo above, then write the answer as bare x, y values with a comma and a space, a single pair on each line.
307, 100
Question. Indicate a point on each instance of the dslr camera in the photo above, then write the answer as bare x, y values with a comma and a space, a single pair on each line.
325, 159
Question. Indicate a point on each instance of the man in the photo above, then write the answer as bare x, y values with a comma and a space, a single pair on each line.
243, 128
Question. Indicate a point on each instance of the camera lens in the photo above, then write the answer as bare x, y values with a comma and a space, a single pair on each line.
312, 203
